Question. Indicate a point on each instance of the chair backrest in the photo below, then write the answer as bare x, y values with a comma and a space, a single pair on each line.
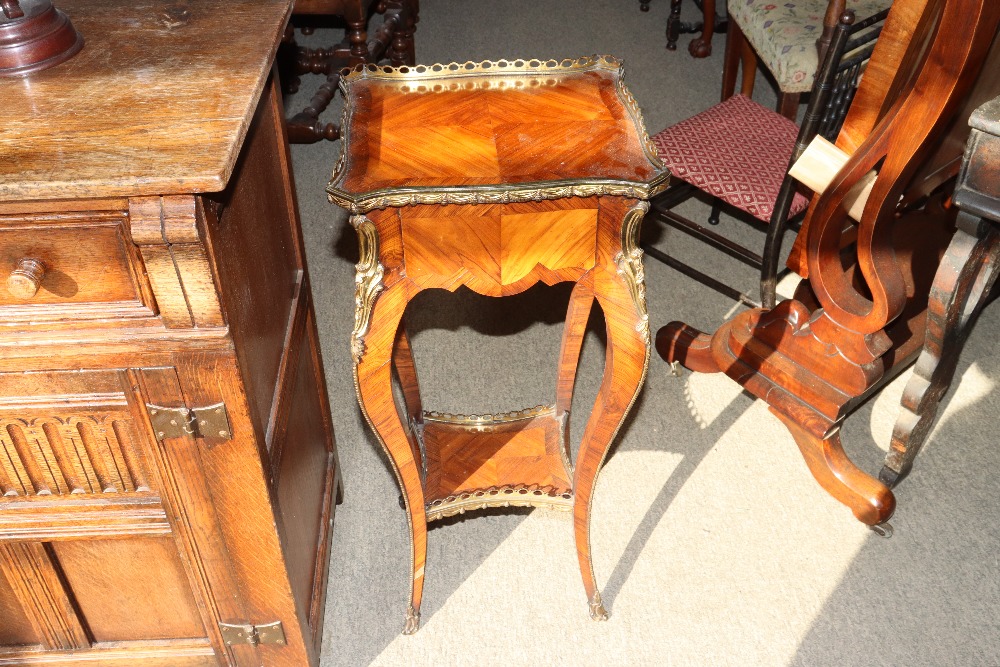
837, 80
839, 75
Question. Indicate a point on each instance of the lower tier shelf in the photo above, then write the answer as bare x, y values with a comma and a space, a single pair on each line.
479, 461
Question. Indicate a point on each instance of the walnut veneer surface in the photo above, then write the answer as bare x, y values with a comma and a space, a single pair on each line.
151, 262
496, 176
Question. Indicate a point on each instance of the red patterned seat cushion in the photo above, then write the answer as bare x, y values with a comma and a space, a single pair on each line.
737, 151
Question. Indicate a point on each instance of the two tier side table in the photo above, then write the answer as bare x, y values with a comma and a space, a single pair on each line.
496, 176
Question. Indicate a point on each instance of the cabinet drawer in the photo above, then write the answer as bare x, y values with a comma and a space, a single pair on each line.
75, 265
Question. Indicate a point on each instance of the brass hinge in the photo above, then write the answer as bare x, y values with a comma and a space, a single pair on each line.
244, 633
210, 423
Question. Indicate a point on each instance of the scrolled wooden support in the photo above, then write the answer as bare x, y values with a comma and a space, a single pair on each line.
818, 166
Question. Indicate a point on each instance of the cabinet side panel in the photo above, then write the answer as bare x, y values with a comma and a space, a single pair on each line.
130, 589
15, 630
256, 256
305, 477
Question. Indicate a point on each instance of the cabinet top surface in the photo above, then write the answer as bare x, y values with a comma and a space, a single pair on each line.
157, 102
492, 131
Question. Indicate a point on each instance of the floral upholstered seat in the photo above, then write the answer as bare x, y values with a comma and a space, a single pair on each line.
784, 34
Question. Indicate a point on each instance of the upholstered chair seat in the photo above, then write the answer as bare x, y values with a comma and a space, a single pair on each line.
784, 34
736, 151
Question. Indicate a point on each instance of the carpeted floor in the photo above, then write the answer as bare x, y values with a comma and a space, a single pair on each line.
713, 544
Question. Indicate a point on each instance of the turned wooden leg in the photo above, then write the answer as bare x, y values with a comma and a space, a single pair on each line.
788, 105
374, 385
731, 59
748, 64
871, 501
404, 45
357, 35
673, 25
701, 47
961, 286
625, 367
580, 303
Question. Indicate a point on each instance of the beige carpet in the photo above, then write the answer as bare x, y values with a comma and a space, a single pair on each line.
713, 545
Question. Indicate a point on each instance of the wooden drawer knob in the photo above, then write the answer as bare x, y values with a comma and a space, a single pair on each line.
24, 281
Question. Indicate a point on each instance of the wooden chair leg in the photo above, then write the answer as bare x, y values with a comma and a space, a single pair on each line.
961, 287
748, 62
731, 59
788, 105
674, 25
701, 47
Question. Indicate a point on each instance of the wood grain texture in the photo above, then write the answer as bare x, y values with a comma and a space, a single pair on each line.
962, 286
162, 112
858, 320
115, 601
90, 266
32, 573
469, 128
56, 440
466, 458
496, 248
169, 311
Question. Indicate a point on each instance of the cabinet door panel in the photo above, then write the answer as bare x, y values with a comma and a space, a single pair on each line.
257, 256
305, 475
15, 630
130, 589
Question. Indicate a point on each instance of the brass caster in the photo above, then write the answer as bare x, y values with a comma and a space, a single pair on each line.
597, 610
412, 621
676, 369
883, 529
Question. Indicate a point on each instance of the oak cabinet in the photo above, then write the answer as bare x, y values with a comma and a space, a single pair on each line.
168, 469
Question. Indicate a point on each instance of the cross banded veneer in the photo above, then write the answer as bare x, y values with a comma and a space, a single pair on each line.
496, 176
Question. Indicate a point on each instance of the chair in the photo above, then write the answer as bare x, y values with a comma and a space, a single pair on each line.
738, 152
788, 38
392, 41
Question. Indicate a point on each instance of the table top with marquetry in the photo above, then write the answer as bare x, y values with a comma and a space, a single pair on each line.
492, 132
158, 101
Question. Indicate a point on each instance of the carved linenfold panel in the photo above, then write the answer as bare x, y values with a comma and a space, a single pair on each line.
69, 453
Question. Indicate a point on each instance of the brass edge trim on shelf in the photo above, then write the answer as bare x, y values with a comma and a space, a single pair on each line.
367, 282
506, 193
503, 496
625, 95
471, 68
489, 419
629, 263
